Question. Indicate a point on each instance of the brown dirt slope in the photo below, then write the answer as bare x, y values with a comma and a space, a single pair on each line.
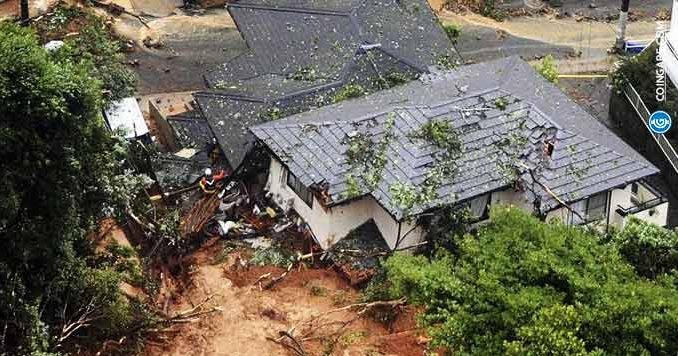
250, 315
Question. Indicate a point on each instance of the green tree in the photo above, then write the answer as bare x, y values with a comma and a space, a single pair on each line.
521, 286
95, 49
651, 249
60, 171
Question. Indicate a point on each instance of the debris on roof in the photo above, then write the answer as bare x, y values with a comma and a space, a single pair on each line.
174, 171
501, 123
191, 130
302, 52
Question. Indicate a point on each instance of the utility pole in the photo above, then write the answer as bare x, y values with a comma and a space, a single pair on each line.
623, 19
24, 12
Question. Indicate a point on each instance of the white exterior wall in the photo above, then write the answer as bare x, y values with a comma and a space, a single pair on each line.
622, 198
330, 225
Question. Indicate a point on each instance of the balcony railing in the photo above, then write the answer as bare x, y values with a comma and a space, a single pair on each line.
644, 114
641, 207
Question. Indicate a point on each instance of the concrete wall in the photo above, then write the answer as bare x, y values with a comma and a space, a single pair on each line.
329, 225
164, 128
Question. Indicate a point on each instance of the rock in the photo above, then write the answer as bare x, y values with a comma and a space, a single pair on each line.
592, 5
152, 42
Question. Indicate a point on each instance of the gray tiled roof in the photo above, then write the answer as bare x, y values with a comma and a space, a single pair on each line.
587, 158
229, 118
232, 110
191, 130
309, 5
322, 36
325, 35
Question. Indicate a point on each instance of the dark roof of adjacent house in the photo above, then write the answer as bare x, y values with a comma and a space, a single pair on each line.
504, 114
324, 36
302, 50
191, 130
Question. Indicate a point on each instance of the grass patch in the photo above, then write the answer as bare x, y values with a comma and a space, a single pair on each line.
318, 291
348, 92
353, 337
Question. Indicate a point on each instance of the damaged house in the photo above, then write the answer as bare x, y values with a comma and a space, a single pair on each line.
308, 53
479, 135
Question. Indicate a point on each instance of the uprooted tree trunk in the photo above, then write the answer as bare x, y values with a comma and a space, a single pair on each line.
313, 328
82, 318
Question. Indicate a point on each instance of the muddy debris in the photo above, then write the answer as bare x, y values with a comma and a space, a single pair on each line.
151, 42
274, 314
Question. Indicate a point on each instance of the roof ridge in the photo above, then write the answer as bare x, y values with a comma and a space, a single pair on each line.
291, 9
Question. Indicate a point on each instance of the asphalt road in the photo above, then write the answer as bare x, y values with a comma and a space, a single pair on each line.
180, 63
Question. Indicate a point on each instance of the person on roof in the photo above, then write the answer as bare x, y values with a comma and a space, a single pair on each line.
208, 183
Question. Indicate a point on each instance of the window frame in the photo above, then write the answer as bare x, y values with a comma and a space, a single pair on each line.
635, 194
604, 206
586, 210
302, 191
485, 215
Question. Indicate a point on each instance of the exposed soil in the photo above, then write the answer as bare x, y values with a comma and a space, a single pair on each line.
250, 315
9, 9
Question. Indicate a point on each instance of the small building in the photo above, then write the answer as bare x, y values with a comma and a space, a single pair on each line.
477, 136
125, 116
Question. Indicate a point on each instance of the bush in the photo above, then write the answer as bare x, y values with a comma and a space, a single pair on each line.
525, 287
348, 92
95, 49
548, 69
487, 8
651, 249
453, 32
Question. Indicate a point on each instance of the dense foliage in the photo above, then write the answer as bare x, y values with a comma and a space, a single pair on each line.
651, 249
524, 287
60, 172
94, 48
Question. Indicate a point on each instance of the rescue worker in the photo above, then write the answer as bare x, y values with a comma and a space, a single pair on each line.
208, 183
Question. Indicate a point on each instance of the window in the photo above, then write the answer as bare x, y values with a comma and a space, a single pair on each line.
597, 207
480, 207
634, 188
592, 209
302, 191
635, 198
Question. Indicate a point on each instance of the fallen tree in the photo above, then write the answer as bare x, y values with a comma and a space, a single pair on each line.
322, 327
